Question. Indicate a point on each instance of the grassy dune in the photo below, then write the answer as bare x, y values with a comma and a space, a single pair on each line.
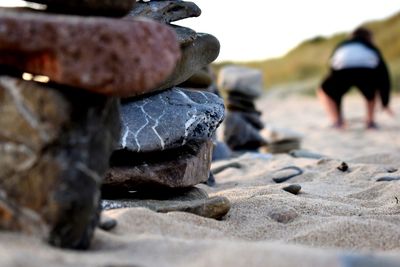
308, 61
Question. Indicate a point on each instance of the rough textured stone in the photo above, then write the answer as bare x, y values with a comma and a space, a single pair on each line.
184, 167
169, 120
197, 55
166, 11
54, 150
214, 207
88, 7
103, 55
241, 79
240, 132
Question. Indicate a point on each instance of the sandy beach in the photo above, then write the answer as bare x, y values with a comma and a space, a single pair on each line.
339, 218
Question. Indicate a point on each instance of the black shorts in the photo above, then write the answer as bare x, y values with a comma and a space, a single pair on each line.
338, 82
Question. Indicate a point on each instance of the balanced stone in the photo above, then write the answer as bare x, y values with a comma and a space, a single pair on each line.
199, 80
54, 150
185, 167
88, 7
103, 55
247, 81
199, 54
240, 132
169, 119
166, 11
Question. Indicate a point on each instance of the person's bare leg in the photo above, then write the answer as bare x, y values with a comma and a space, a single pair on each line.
370, 120
332, 108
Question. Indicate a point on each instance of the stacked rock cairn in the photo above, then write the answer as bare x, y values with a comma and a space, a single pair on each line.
166, 144
243, 123
65, 70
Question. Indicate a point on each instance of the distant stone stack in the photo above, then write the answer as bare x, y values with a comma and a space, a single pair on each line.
242, 124
56, 138
166, 141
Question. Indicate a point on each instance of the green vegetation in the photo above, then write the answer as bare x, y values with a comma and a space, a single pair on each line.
309, 60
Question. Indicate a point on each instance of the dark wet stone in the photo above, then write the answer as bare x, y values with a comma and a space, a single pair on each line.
283, 214
388, 179
203, 51
240, 132
286, 173
214, 207
107, 224
293, 188
109, 8
343, 167
169, 120
54, 150
102, 55
166, 11
183, 167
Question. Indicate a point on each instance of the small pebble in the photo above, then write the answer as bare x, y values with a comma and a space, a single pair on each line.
387, 179
391, 169
284, 174
343, 167
293, 188
107, 224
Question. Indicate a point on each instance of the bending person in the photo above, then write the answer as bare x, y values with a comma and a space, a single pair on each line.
356, 62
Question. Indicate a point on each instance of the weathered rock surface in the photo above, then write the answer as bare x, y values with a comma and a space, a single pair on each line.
103, 55
183, 167
166, 11
199, 54
54, 150
245, 80
169, 120
88, 7
240, 132
214, 207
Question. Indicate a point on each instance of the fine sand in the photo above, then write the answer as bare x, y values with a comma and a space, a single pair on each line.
337, 219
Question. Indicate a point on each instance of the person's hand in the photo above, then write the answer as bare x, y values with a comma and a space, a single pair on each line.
389, 111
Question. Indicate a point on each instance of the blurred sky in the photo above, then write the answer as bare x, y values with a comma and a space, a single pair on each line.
260, 29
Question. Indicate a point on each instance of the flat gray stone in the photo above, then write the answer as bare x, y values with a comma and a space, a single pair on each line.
184, 167
166, 11
199, 54
214, 207
109, 8
248, 81
169, 119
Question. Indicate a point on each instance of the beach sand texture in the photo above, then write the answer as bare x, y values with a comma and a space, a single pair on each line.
339, 218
